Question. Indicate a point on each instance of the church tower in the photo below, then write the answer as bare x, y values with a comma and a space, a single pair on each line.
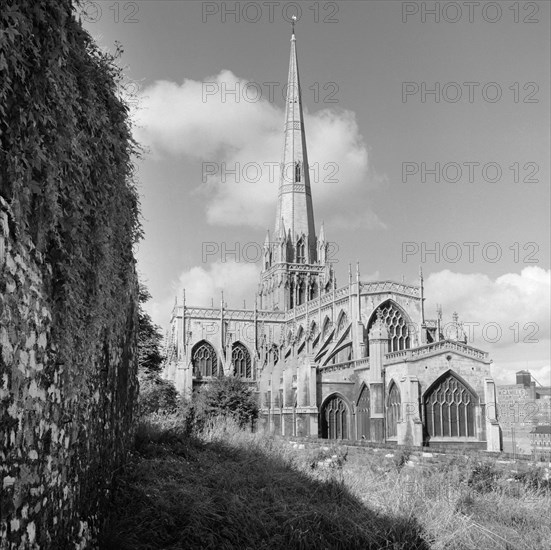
295, 265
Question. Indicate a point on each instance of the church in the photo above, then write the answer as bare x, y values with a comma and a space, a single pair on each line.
356, 362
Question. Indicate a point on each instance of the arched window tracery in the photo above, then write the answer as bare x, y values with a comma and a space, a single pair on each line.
326, 328
450, 409
393, 410
334, 418
241, 361
363, 414
301, 252
397, 325
343, 323
204, 360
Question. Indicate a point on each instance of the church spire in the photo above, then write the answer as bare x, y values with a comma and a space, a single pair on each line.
294, 209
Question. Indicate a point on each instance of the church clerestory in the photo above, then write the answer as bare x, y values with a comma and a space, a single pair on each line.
355, 362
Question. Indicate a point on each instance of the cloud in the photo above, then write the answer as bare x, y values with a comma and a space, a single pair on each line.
197, 121
203, 286
521, 298
504, 371
237, 280
508, 316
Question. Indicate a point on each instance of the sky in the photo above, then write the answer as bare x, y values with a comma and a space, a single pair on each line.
428, 132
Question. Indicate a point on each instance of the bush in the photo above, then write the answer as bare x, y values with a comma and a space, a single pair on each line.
534, 479
483, 478
402, 457
156, 395
227, 396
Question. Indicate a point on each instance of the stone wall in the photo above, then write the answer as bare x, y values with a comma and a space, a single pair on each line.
68, 289
65, 418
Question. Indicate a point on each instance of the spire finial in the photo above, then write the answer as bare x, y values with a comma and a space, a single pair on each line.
293, 21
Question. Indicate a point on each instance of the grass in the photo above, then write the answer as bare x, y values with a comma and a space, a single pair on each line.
226, 488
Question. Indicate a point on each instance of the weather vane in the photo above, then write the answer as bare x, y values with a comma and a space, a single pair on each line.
294, 18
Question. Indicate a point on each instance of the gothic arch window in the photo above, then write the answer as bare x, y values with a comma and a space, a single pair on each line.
204, 359
313, 291
450, 408
334, 419
326, 328
297, 172
342, 323
301, 293
314, 334
274, 352
300, 333
363, 414
393, 410
397, 325
301, 252
241, 360
343, 355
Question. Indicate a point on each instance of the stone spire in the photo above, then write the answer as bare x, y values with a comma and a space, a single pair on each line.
294, 208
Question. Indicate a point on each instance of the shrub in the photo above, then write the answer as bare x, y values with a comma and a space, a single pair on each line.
483, 478
156, 395
333, 457
402, 457
226, 396
534, 479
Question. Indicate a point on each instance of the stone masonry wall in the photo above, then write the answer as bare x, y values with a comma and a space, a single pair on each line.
64, 426
68, 287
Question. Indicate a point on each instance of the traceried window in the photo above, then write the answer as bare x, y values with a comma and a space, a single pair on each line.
343, 322
334, 419
393, 410
313, 291
301, 298
204, 360
343, 355
301, 254
450, 409
363, 414
274, 351
326, 328
397, 325
314, 334
241, 360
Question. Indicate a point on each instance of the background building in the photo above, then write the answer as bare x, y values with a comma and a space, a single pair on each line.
524, 414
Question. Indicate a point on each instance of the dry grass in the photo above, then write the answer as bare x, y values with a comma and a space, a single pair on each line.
227, 488
453, 513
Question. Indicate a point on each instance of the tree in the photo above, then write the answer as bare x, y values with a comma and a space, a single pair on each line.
150, 357
225, 396
156, 394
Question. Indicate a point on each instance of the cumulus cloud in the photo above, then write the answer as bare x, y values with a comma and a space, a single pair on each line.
203, 286
225, 133
508, 316
238, 281
511, 298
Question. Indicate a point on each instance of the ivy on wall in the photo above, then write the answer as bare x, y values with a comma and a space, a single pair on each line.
72, 216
